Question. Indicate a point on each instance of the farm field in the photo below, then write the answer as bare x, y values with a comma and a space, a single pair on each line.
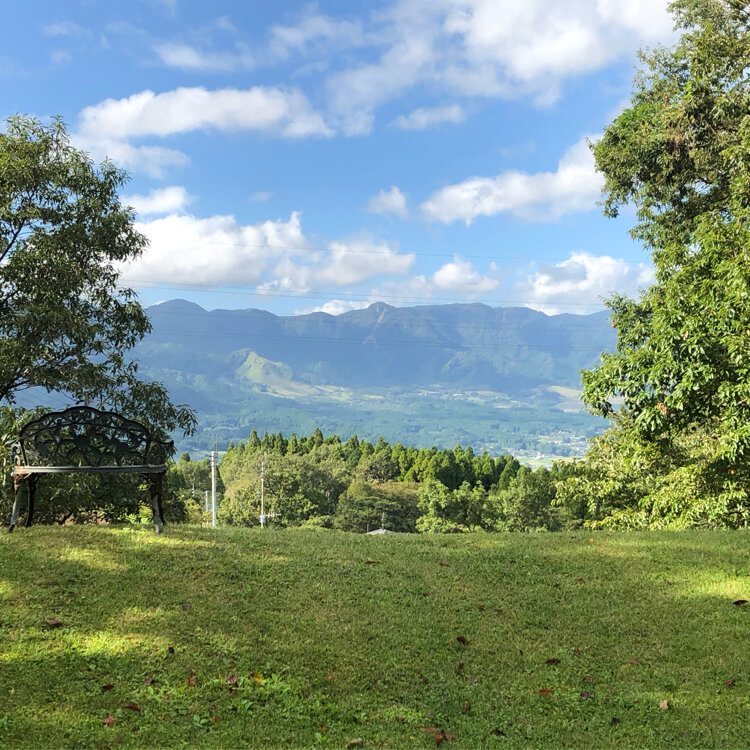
116, 637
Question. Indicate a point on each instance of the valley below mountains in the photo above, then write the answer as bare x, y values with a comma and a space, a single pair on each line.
499, 379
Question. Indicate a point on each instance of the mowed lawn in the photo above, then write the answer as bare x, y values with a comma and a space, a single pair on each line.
117, 637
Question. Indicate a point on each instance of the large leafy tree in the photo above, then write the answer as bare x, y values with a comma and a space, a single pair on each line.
681, 155
66, 324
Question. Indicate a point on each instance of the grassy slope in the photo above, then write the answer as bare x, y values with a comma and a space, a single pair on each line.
328, 648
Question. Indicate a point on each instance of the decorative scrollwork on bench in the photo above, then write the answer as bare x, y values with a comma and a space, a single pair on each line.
83, 439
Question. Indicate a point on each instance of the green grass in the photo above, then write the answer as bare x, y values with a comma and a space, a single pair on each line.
334, 637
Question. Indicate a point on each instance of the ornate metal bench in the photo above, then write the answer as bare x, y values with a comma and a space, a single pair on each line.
87, 441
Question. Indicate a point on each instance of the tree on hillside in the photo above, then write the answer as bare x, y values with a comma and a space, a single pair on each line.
65, 323
681, 155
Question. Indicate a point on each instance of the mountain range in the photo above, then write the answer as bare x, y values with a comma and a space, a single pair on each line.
496, 378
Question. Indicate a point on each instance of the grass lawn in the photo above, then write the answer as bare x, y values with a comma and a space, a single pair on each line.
300, 638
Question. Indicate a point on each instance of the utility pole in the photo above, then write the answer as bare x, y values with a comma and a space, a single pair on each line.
207, 505
214, 456
262, 489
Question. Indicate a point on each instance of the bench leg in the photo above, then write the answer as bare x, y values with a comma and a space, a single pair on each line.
17, 482
32, 499
154, 488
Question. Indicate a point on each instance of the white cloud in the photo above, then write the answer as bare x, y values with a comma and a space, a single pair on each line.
262, 196
544, 196
457, 277
286, 112
354, 261
336, 307
392, 201
461, 276
160, 201
185, 57
60, 57
423, 118
64, 28
274, 256
107, 128
313, 29
580, 282
215, 251
488, 48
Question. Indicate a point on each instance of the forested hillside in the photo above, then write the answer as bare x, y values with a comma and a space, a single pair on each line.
501, 379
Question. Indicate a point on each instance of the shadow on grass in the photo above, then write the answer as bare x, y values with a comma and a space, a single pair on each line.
360, 635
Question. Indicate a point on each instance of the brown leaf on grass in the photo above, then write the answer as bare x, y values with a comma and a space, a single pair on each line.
614, 721
371, 562
106, 687
577, 651
322, 727
170, 649
460, 667
552, 661
664, 705
498, 732
131, 707
442, 736
480, 608
585, 694
729, 683
740, 602
192, 681
257, 676
109, 721
463, 640
581, 580
231, 680
53, 622
186, 606
443, 565
545, 692
400, 719
354, 743
149, 680
467, 707
634, 661
429, 730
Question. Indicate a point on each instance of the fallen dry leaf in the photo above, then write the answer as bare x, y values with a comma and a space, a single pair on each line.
546, 692
109, 721
463, 640
498, 732
354, 743
552, 661
664, 705
53, 622
106, 687
460, 667
131, 707
170, 649
400, 719
577, 651
443, 565
729, 683
231, 680
634, 661
585, 694
257, 676
371, 562
614, 722
186, 606
149, 680
322, 727
740, 602
192, 681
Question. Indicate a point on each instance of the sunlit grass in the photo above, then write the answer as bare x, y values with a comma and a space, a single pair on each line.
250, 638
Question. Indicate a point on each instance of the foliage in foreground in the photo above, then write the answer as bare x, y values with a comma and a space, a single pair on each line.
299, 638
66, 324
678, 455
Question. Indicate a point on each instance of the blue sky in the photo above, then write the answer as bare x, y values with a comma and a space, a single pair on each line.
302, 156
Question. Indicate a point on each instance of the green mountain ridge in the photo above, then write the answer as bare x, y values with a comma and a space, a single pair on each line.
495, 378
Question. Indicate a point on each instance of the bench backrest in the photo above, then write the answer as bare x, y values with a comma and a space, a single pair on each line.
85, 436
